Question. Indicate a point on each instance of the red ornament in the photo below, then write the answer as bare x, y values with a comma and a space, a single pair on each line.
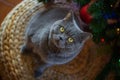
102, 40
85, 15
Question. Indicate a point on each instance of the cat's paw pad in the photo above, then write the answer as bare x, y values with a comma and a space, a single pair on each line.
38, 73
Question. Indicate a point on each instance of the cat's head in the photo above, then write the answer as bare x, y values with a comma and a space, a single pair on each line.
68, 39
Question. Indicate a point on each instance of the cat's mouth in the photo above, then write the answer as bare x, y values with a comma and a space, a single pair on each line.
53, 46
59, 43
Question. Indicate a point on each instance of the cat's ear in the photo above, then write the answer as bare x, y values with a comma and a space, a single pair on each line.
72, 17
69, 16
84, 36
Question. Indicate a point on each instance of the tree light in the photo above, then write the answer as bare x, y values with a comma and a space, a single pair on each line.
119, 60
118, 29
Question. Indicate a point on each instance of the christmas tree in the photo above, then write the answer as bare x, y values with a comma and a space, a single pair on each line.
105, 26
103, 20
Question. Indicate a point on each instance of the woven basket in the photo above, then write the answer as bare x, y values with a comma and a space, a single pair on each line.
14, 66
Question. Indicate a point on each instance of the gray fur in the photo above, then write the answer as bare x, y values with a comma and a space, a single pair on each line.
44, 38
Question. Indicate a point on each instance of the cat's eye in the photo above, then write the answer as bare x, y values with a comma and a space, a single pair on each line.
62, 29
70, 40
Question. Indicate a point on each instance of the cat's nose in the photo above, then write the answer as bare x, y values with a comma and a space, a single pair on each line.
60, 37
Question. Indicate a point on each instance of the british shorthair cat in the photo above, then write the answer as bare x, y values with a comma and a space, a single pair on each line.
54, 36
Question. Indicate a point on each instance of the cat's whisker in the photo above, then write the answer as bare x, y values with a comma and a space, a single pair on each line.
72, 34
68, 32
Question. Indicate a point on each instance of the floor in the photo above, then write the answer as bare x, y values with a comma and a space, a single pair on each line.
6, 6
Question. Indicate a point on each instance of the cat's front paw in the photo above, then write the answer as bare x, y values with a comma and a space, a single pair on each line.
38, 73
24, 49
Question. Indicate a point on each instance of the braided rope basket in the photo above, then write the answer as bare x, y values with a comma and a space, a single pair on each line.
14, 66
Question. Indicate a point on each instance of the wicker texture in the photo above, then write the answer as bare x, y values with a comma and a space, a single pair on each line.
11, 37
14, 66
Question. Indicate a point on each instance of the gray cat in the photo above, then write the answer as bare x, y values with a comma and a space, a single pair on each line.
54, 36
